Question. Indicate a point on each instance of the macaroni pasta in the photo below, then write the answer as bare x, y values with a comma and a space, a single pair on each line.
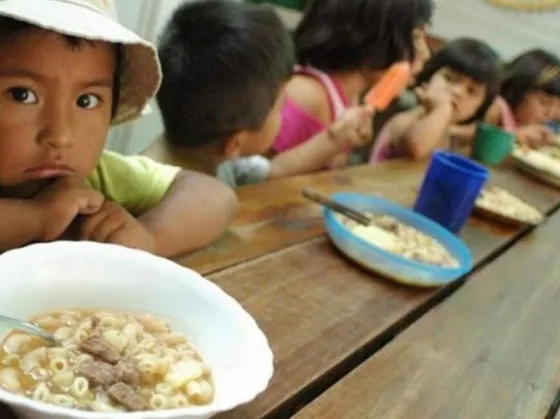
106, 362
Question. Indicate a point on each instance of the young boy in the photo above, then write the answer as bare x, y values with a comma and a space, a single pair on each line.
225, 64
67, 72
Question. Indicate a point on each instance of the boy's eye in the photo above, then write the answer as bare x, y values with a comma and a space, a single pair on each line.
88, 101
22, 95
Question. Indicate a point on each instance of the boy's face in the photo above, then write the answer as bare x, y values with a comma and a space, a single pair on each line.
55, 109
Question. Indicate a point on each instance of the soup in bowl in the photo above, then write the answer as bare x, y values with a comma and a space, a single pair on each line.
138, 337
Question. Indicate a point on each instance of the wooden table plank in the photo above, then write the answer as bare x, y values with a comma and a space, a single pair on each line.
323, 315
274, 216
489, 351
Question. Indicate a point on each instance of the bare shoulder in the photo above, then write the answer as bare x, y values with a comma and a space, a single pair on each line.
310, 95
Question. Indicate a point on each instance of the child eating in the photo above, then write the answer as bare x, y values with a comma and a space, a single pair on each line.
526, 103
225, 64
342, 48
457, 86
67, 72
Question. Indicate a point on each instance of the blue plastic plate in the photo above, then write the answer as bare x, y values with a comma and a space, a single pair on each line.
387, 264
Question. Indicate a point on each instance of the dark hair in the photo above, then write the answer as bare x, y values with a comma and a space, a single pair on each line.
472, 58
349, 35
525, 74
10, 28
223, 65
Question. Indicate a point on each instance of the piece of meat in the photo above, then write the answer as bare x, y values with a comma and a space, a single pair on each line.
98, 347
126, 396
127, 371
98, 373
94, 322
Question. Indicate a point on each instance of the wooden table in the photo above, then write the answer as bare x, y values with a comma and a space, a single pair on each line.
348, 344
491, 350
324, 316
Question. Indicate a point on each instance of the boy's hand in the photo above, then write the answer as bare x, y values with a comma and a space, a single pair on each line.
61, 202
353, 128
113, 224
535, 136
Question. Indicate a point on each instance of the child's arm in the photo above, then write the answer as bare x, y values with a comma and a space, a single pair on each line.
178, 211
430, 127
192, 214
463, 134
195, 212
47, 216
19, 223
352, 129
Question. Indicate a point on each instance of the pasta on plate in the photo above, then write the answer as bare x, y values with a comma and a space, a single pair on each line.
391, 235
106, 362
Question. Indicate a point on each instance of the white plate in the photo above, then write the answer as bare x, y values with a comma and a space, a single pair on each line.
494, 215
43, 278
525, 166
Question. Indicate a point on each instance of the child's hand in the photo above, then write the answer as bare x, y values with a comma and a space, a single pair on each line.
535, 136
61, 202
353, 128
433, 97
114, 224
340, 161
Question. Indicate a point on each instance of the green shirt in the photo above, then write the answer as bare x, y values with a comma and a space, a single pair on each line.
137, 183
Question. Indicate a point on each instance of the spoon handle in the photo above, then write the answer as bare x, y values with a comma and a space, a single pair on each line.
357, 216
26, 327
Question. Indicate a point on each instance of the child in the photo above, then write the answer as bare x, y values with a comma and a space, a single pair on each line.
457, 86
526, 102
67, 71
342, 47
225, 64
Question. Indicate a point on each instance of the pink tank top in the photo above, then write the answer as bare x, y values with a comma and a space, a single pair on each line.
298, 125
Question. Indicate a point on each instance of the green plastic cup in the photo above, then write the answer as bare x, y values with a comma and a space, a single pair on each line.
491, 145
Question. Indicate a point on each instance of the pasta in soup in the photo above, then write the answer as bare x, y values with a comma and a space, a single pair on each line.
106, 362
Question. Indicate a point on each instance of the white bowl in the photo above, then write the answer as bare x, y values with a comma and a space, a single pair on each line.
66, 275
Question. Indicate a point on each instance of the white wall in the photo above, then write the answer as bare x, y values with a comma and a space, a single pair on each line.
509, 32
145, 17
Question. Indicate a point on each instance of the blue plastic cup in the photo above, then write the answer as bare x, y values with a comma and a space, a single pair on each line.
450, 188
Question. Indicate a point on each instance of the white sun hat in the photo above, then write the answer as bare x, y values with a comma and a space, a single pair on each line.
95, 20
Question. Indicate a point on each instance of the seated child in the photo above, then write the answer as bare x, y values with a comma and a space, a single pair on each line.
342, 48
526, 103
457, 86
67, 72
225, 64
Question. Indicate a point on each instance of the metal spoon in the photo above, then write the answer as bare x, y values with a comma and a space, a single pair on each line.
28, 327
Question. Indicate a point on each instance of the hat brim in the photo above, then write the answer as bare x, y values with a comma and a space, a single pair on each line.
141, 73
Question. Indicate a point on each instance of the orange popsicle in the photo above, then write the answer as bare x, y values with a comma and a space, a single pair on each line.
389, 86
